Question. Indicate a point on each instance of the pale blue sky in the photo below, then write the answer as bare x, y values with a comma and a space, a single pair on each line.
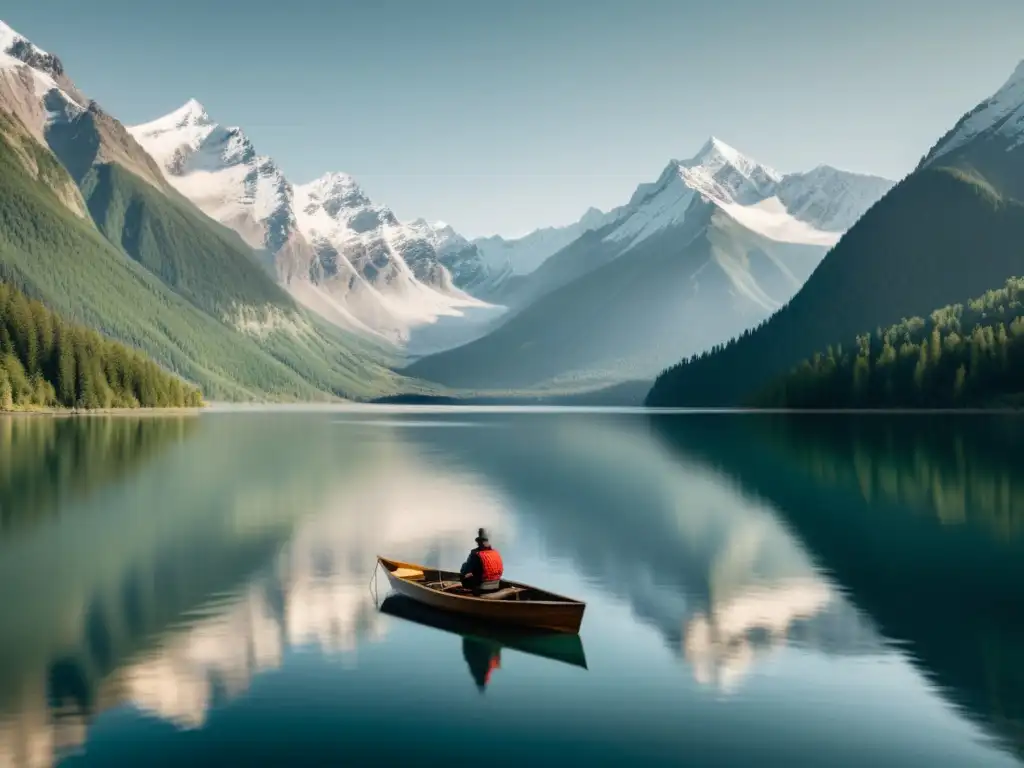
500, 117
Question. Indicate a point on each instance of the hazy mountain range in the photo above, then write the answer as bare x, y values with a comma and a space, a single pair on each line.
425, 288
712, 247
191, 246
90, 226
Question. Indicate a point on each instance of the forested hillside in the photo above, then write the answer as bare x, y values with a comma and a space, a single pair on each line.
46, 362
939, 236
65, 262
961, 355
165, 234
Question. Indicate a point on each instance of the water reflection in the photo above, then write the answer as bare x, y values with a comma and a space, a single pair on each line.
216, 593
45, 459
216, 581
963, 470
918, 518
482, 643
717, 574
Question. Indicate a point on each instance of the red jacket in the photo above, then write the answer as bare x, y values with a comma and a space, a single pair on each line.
485, 564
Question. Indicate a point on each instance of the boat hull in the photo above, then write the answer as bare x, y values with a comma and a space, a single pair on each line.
554, 615
563, 647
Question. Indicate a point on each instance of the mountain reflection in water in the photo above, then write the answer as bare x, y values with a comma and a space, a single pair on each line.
921, 519
211, 601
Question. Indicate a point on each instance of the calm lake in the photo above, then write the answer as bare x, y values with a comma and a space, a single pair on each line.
761, 591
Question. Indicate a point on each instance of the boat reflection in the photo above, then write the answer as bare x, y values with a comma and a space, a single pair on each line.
482, 643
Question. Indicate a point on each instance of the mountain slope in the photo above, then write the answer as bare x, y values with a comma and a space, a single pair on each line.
952, 228
63, 261
46, 101
214, 315
703, 253
520, 256
989, 140
388, 273
217, 168
326, 242
812, 209
959, 356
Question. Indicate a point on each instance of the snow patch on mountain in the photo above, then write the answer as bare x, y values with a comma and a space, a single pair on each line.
31, 72
401, 264
813, 208
521, 256
829, 199
337, 216
218, 169
19, 47
338, 252
1001, 115
770, 218
39, 82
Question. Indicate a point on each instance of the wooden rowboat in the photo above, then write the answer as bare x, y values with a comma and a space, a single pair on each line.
555, 646
514, 603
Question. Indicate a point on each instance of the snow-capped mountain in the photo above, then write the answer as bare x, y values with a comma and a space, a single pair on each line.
387, 272
520, 256
829, 199
710, 249
999, 117
989, 140
18, 47
338, 252
813, 208
36, 90
217, 168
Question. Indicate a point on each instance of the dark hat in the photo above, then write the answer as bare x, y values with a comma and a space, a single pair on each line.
482, 535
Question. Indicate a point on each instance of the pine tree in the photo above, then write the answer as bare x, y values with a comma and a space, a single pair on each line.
959, 383
6, 393
46, 362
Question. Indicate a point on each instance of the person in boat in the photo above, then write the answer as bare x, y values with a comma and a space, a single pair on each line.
483, 569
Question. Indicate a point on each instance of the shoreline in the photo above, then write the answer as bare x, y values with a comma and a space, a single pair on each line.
75, 413
484, 405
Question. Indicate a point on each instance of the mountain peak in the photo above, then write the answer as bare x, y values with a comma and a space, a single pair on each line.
333, 183
716, 149
190, 113
1000, 115
334, 192
20, 47
1018, 74
716, 154
10, 39
715, 144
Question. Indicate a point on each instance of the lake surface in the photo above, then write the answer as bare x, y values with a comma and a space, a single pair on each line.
819, 591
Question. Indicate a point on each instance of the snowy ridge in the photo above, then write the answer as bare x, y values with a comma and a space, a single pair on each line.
340, 254
42, 83
37, 71
396, 264
10, 40
829, 199
218, 169
521, 256
717, 236
20, 47
1002, 115
813, 208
